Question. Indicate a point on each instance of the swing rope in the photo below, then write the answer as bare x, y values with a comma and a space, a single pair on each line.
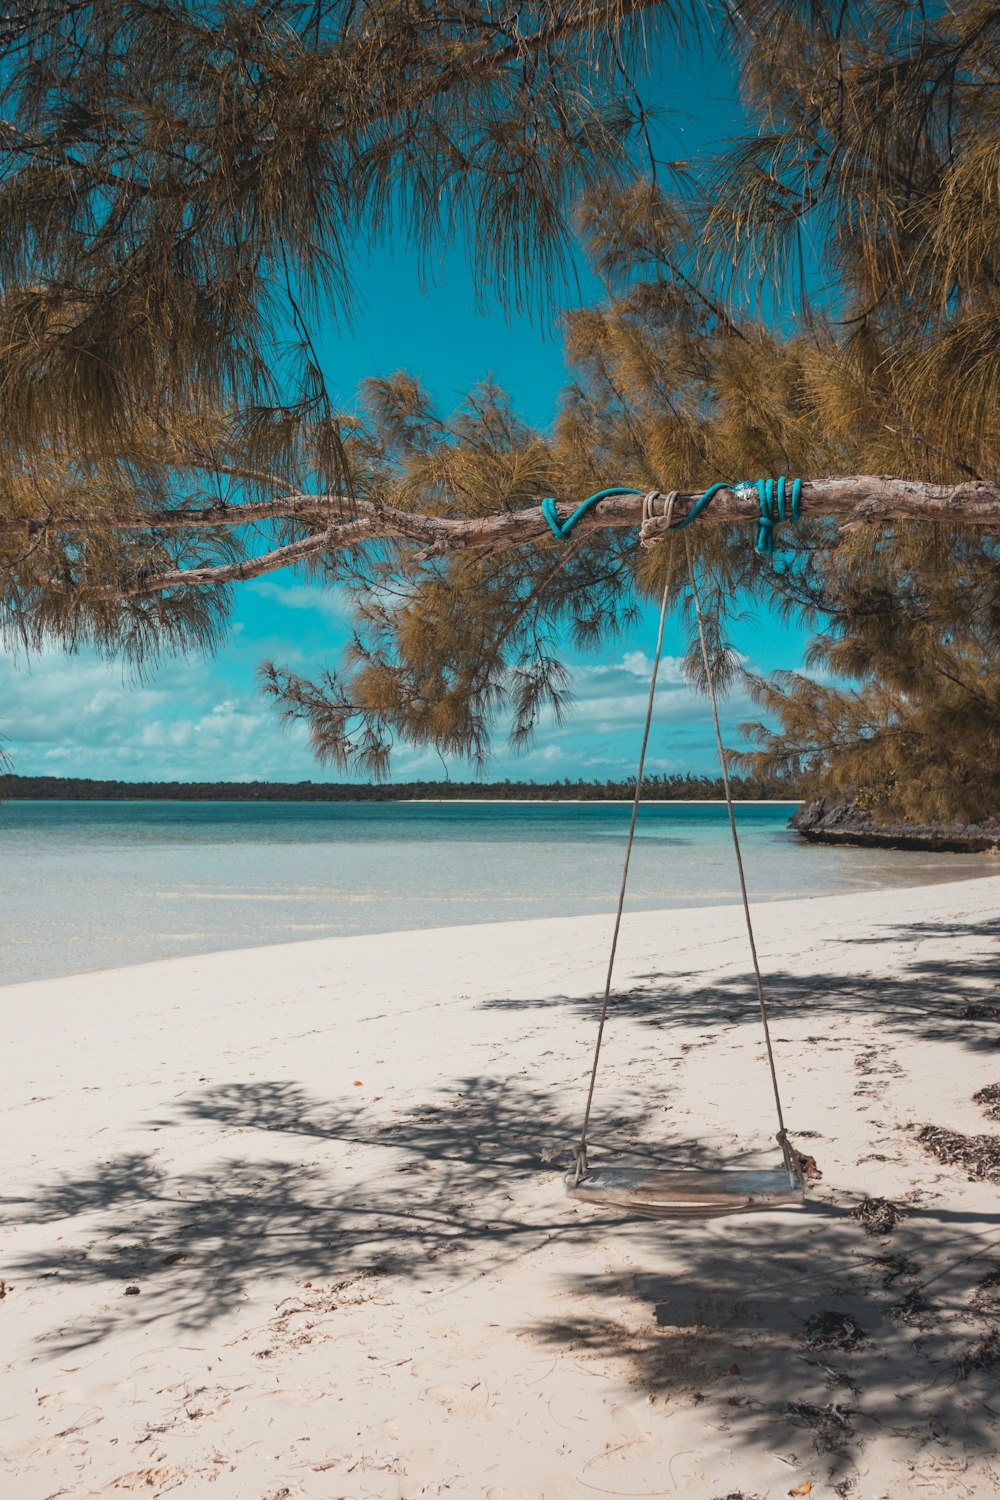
782, 1136
580, 1151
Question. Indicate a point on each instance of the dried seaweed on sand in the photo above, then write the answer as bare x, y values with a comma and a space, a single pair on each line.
989, 1100
833, 1330
893, 1267
978, 1011
977, 1155
984, 1355
830, 1424
877, 1215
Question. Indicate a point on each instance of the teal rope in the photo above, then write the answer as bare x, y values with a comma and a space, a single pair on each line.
699, 506
563, 530
771, 494
772, 509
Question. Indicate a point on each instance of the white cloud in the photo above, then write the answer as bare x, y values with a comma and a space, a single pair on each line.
207, 720
78, 715
638, 664
330, 601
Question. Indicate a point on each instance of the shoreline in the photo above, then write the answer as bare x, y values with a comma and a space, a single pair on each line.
404, 801
436, 930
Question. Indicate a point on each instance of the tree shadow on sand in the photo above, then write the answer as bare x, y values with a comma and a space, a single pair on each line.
925, 1000
804, 1335
804, 1338
470, 1180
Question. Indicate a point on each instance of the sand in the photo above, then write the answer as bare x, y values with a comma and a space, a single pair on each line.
290, 1221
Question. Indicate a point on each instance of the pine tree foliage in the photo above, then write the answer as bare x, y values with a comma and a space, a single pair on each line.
916, 625
183, 186
882, 149
444, 649
865, 203
821, 298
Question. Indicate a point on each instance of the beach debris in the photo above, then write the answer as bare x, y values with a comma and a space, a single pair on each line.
977, 1155
801, 1489
830, 1424
159, 1479
829, 1329
913, 1309
131, 1291
984, 1355
358, 1084
893, 1266
985, 1298
806, 1166
840, 1378
4, 1289
989, 1099
877, 1215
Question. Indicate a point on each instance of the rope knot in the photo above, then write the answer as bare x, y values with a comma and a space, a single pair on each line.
648, 537
771, 495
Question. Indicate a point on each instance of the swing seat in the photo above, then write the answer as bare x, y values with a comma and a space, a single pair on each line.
680, 1193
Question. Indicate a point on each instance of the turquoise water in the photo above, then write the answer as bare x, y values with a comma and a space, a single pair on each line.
89, 884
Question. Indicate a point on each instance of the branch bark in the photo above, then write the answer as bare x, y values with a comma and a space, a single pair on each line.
856, 500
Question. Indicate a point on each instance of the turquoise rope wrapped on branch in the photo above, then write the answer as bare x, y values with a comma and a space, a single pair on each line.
562, 530
772, 509
772, 495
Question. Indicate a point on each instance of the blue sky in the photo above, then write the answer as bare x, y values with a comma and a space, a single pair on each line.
205, 719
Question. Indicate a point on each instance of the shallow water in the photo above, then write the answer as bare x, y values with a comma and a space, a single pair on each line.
95, 884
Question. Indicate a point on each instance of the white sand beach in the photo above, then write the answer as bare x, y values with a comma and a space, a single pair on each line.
290, 1221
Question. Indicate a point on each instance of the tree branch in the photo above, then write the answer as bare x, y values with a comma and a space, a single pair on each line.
858, 500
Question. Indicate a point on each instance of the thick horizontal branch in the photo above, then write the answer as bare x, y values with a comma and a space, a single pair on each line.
858, 499
333, 539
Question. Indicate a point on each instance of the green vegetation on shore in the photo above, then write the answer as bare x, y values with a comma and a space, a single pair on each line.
655, 789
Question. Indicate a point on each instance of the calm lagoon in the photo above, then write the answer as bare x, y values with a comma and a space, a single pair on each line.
88, 885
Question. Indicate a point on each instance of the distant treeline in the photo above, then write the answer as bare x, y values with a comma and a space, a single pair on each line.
655, 789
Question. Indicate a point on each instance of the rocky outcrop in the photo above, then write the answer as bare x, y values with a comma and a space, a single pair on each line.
847, 823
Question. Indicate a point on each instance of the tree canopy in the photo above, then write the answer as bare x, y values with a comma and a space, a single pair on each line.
879, 355
820, 297
182, 187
